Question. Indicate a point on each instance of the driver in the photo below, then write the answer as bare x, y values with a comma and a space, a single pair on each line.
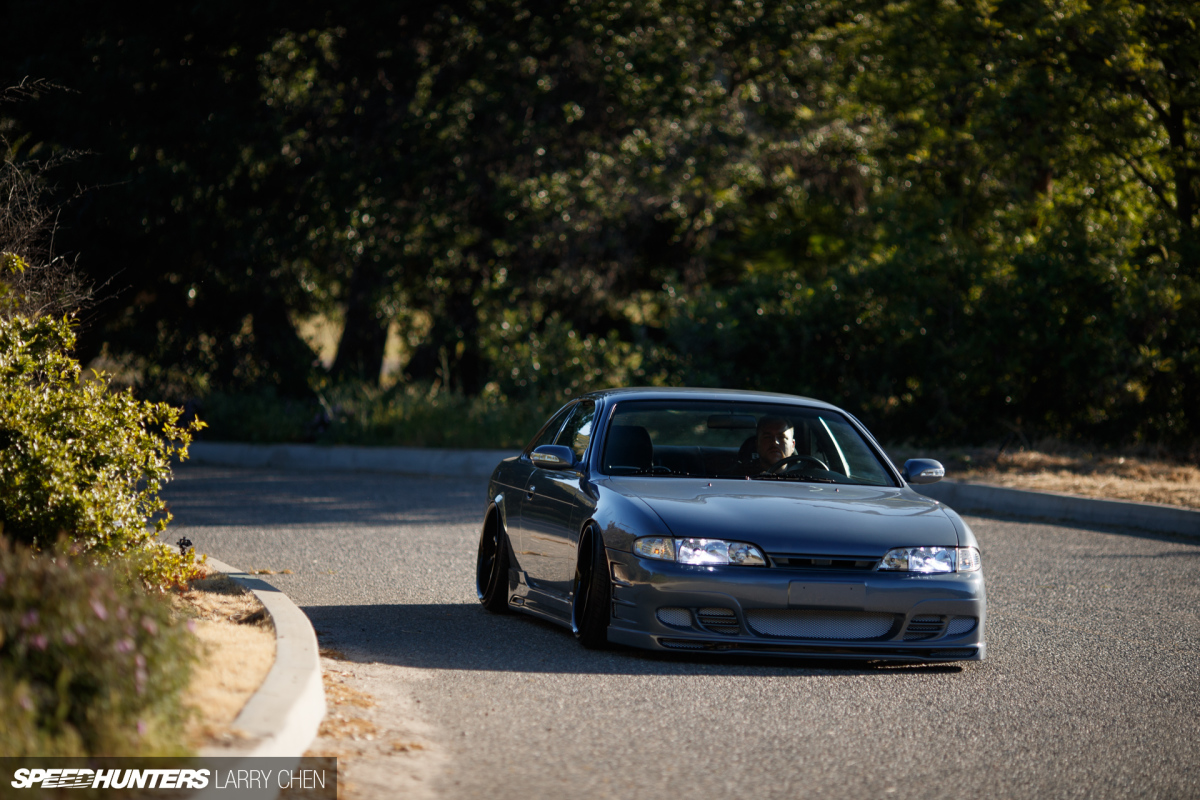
776, 441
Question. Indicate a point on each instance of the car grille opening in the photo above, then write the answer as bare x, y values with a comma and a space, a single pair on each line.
800, 561
960, 625
676, 644
925, 626
802, 624
951, 653
675, 617
719, 620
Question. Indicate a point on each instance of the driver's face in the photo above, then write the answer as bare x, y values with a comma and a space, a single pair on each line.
775, 443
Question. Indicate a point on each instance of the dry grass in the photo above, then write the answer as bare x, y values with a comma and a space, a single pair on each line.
379, 750
1053, 467
237, 643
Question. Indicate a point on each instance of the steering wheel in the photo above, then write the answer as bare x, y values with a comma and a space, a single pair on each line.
785, 464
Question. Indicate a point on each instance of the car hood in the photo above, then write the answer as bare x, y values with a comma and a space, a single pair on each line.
817, 519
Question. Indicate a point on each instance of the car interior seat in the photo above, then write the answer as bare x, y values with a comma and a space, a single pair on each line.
628, 448
748, 452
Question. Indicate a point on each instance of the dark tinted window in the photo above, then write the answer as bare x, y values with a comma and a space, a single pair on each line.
550, 432
719, 439
577, 433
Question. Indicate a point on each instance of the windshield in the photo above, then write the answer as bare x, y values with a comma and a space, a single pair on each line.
730, 439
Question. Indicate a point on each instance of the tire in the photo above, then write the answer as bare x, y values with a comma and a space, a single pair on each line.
593, 593
491, 567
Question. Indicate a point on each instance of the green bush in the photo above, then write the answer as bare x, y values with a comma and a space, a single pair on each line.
89, 664
415, 415
78, 460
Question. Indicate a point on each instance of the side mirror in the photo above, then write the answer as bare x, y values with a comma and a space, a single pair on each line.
553, 456
923, 470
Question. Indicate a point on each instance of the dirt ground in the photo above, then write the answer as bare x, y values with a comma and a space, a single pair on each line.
1052, 467
237, 642
375, 750
380, 751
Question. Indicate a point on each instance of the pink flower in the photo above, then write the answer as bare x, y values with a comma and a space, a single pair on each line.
150, 626
125, 646
99, 608
39, 642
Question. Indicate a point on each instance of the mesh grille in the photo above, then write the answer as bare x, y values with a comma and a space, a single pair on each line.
960, 625
678, 645
927, 626
676, 617
823, 562
819, 624
718, 620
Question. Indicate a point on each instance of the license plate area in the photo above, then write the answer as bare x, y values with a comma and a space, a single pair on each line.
847, 595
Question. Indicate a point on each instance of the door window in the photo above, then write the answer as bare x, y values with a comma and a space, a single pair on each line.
548, 433
577, 433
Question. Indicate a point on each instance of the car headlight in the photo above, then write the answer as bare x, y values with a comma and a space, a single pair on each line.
931, 559
700, 551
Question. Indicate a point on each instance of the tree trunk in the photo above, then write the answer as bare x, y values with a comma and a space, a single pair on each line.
360, 350
286, 358
451, 355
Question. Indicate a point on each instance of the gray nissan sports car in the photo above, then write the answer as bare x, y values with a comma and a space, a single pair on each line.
731, 522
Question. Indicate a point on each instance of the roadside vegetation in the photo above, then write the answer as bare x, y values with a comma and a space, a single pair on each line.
957, 220
92, 660
1143, 475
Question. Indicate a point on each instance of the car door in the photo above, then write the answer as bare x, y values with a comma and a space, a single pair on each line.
515, 496
551, 514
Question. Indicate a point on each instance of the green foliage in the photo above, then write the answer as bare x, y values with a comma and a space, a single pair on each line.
410, 416
419, 417
88, 665
261, 416
546, 197
77, 460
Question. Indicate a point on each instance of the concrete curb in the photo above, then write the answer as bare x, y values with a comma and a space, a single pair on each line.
281, 719
990, 499
976, 497
344, 458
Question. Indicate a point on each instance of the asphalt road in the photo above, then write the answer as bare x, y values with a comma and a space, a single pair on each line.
1091, 688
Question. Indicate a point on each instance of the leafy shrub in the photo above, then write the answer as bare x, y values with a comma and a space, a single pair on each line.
414, 416
418, 416
89, 665
259, 417
78, 460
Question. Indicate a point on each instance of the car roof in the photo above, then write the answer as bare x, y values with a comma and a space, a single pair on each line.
691, 393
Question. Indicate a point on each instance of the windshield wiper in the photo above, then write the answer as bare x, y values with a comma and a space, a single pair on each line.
771, 476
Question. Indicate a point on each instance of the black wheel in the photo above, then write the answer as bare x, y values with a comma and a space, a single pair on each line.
491, 570
593, 593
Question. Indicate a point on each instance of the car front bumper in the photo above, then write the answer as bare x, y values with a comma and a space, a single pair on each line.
894, 616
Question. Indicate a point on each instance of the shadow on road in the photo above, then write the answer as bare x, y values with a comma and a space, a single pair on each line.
465, 637
1093, 527
204, 496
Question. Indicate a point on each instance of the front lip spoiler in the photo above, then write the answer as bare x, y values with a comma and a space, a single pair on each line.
945, 653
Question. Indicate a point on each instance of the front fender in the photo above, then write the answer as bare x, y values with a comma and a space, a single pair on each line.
966, 537
622, 519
